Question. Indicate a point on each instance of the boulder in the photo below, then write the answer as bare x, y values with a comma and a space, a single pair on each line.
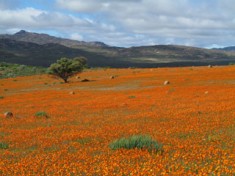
72, 93
166, 82
8, 114
114, 76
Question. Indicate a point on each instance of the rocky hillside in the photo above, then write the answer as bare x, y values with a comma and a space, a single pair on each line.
42, 39
230, 48
42, 50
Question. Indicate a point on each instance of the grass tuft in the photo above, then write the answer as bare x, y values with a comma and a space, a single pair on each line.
137, 141
41, 114
4, 145
132, 96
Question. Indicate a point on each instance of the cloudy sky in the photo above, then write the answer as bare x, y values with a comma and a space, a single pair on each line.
201, 23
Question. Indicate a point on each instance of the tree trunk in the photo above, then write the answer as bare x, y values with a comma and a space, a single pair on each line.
65, 80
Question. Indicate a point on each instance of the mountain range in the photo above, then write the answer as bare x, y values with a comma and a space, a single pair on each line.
41, 50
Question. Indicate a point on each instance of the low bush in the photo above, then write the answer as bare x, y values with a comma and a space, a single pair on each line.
41, 114
137, 141
4, 145
8, 70
132, 96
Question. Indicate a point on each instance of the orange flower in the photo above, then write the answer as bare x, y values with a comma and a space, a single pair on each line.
195, 128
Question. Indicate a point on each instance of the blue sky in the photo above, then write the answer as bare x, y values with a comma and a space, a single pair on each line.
200, 23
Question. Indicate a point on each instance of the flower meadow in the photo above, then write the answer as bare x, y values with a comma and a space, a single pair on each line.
54, 132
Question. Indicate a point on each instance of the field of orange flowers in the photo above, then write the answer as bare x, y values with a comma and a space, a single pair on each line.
193, 117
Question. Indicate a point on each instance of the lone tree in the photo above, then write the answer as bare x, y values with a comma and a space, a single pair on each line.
65, 67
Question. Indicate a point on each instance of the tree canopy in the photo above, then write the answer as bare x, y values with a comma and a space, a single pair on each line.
65, 67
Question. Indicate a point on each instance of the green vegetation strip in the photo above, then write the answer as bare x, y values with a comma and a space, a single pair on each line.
8, 70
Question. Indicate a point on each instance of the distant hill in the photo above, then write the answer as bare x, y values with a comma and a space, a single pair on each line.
42, 50
13, 51
230, 48
42, 39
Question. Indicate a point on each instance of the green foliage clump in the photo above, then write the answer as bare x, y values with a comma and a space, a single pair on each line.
4, 145
8, 70
137, 141
132, 96
1, 97
65, 67
41, 114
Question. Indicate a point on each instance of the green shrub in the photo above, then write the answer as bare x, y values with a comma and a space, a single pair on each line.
1, 97
4, 145
137, 141
132, 96
41, 114
9, 70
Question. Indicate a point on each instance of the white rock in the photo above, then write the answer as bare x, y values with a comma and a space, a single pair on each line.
72, 93
166, 82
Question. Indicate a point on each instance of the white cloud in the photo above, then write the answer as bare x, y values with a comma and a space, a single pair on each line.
179, 20
215, 46
81, 6
69, 26
31, 18
129, 22
76, 36
17, 18
92, 5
